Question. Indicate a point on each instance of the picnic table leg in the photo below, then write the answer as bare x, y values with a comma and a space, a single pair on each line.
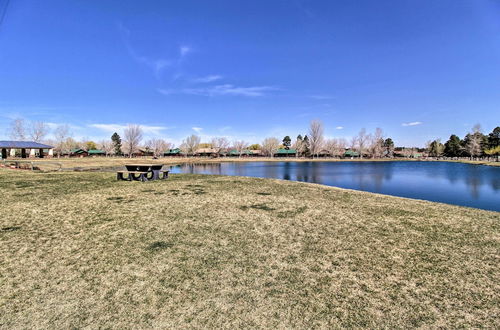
165, 175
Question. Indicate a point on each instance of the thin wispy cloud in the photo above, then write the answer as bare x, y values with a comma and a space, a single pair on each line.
111, 128
321, 97
197, 129
157, 65
206, 79
413, 123
184, 50
339, 127
222, 90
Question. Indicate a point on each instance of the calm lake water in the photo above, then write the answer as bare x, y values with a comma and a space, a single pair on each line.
453, 183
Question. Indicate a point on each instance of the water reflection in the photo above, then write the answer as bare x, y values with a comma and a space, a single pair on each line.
453, 183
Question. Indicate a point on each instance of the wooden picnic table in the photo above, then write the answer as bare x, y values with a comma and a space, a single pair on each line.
143, 172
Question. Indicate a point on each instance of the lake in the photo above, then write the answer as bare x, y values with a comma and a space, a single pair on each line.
453, 183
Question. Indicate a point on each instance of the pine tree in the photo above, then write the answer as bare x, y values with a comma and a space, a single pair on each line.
453, 147
117, 143
287, 142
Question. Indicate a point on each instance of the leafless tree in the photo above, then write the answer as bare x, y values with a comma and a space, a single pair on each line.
335, 147
18, 130
190, 144
132, 136
38, 131
270, 146
316, 138
61, 134
473, 146
299, 146
353, 144
377, 144
362, 140
107, 146
158, 146
240, 145
220, 144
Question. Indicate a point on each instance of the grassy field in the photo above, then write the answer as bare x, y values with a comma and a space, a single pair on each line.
83, 250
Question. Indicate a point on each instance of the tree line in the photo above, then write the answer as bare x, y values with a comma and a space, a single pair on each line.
474, 145
311, 144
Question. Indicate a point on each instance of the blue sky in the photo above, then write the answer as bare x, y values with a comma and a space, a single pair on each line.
419, 69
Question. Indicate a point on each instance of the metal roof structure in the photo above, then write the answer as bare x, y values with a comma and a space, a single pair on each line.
285, 151
24, 145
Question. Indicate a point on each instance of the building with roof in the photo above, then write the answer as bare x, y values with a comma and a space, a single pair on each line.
351, 153
78, 152
173, 152
25, 149
97, 152
285, 153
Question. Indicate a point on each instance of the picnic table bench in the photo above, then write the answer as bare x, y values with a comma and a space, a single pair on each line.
142, 172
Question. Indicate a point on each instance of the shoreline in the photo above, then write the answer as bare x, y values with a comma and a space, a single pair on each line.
108, 162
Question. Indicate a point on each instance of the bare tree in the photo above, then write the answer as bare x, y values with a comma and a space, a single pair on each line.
270, 146
353, 144
240, 146
38, 131
298, 145
362, 140
132, 138
190, 144
335, 147
61, 134
316, 138
474, 138
107, 146
220, 144
18, 130
158, 146
377, 144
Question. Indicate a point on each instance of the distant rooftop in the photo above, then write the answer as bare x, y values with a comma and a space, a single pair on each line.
24, 145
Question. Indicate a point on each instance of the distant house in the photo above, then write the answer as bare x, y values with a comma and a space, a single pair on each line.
25, 149
78, 153
285, 153
206, 152
143, 153
173, 153
236, 153
255, 153
96, 152
351, 154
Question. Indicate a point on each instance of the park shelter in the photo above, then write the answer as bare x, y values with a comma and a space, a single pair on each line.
206, 152
97, 152
78, 153
285, 153
351, 154
173, 152
25, 149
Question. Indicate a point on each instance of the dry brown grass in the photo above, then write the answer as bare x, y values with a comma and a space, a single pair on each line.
82, 250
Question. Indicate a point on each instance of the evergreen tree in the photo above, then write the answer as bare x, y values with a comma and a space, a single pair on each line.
494, 138
117, 143
453, 147
389, 147
287, 142
306, 146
